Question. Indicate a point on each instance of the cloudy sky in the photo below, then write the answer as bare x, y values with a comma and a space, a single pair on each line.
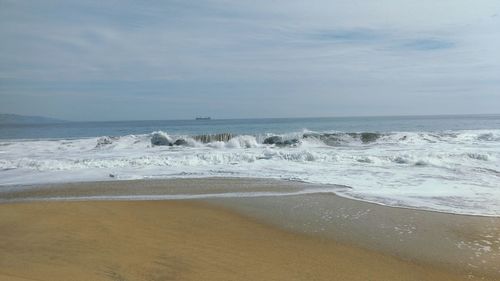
122, 60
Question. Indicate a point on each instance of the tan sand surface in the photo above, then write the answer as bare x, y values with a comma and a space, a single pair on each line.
176, 240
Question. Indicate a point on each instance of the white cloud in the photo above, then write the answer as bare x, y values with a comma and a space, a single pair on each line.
326, 49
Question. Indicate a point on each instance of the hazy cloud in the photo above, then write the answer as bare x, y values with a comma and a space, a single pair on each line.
178, 59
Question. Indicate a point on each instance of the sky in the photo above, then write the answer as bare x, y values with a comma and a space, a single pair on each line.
151, 60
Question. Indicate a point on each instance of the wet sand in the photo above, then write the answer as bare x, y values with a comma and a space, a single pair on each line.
468, 245
301, 237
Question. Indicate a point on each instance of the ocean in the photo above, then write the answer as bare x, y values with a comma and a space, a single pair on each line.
441, 163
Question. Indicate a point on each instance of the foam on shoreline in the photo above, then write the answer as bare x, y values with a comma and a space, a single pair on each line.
451, 171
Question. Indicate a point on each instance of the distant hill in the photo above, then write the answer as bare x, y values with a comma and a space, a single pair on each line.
22, 119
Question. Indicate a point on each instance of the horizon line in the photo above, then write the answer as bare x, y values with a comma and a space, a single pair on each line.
260, 118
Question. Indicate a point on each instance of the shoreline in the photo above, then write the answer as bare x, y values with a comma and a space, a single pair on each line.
15, 193
449, 242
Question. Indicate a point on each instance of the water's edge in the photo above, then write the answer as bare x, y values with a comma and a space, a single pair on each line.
184, 189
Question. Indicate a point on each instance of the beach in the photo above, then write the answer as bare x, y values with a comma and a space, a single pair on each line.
233, 238
249, 140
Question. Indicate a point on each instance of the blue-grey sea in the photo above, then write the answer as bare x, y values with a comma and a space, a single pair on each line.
72, 130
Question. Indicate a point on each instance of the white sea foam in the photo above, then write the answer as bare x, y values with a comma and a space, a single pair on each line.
456, 171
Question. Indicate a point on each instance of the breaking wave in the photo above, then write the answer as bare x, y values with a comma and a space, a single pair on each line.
329, 139
414, 169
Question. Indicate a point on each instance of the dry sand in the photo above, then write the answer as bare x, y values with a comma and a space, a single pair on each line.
176, 240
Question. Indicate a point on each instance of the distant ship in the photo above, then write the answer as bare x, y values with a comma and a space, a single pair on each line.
203, 118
